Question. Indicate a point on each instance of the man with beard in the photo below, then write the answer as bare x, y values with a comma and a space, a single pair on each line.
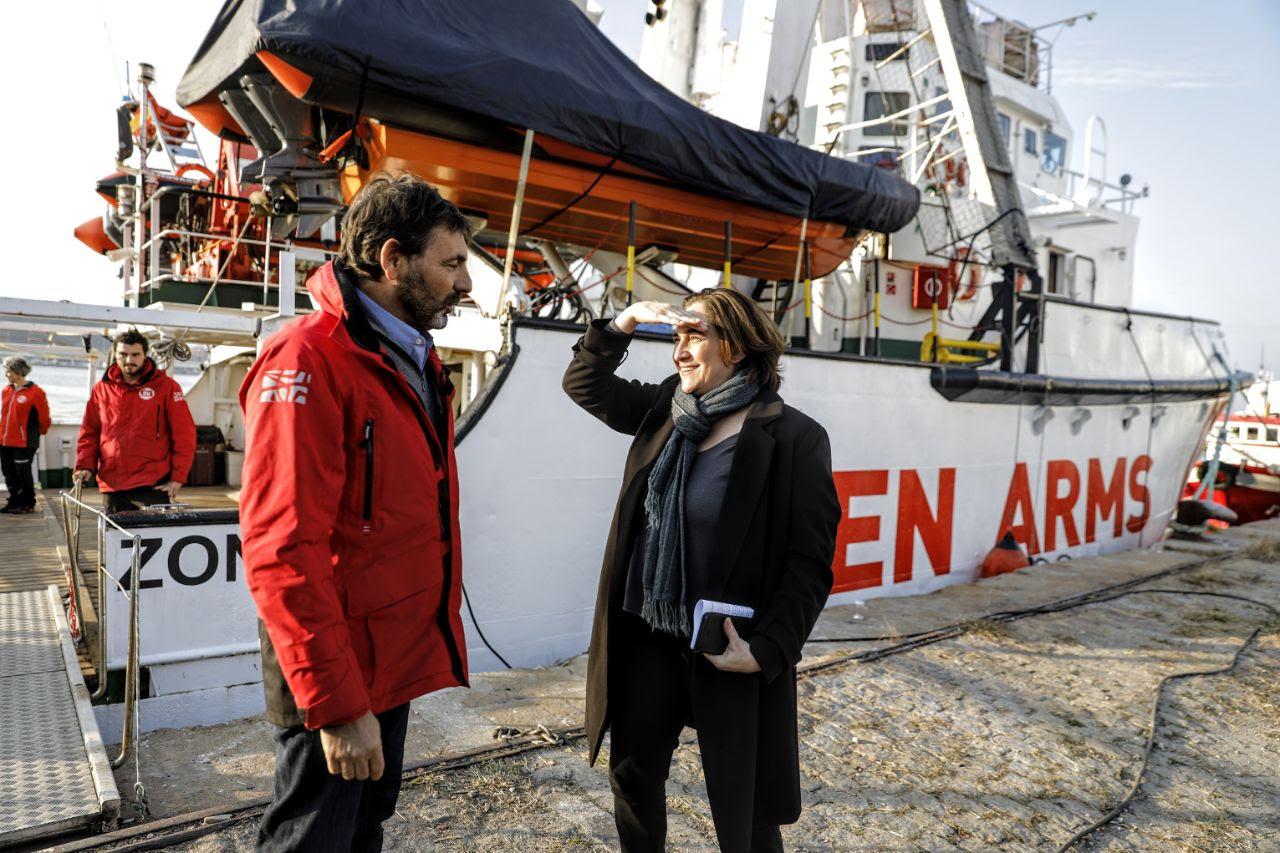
348, 515
137, 434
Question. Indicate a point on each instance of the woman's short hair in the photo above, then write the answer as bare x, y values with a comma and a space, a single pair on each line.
17, 364
744, 329
404, 208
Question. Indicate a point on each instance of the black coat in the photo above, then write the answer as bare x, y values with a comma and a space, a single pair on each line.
775, 543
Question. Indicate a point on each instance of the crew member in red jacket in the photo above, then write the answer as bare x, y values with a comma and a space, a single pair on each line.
349, 516
137, 435
24, 417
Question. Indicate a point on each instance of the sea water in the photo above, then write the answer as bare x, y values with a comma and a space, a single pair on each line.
67, 388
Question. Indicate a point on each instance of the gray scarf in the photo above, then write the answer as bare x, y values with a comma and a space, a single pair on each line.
664, 553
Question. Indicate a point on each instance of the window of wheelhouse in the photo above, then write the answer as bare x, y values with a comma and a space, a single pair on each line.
880, 104
1053, 158
881, 52
1057, 272
1029, 142
1273, 433
1006, 129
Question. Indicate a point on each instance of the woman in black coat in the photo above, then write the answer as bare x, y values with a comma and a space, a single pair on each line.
727, 496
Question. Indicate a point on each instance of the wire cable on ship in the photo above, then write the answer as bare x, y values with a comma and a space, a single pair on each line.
476, 623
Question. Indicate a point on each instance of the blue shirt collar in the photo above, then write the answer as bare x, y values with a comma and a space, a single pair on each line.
414, 343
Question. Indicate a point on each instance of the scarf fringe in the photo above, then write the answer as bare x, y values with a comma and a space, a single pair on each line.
670, 617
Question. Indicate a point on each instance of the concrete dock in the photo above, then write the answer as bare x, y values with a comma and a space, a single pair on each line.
1010, 734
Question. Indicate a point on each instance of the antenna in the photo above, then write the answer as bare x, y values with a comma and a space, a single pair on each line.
111, 52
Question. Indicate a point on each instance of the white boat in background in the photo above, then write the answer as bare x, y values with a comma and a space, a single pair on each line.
978, 369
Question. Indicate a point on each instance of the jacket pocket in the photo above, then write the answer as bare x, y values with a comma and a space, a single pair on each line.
366, 506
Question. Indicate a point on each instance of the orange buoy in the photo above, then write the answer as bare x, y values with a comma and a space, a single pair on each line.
1007, 556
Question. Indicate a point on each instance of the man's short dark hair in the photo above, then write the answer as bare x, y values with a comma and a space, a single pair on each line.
405, 208
132, 336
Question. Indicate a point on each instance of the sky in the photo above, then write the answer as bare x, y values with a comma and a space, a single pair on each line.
1188, 93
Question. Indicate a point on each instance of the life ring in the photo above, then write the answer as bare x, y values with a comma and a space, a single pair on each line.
969, 290
196, 167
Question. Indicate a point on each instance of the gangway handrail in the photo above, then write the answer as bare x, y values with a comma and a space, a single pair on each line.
133, 677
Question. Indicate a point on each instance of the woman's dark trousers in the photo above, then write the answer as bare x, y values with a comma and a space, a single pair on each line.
649, 705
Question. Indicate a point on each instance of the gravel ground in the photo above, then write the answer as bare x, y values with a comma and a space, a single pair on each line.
1012, 736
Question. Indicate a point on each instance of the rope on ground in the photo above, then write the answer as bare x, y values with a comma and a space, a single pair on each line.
922, 638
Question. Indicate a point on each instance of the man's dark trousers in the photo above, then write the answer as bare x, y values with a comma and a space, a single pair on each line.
16, 464
314, 810
133, 499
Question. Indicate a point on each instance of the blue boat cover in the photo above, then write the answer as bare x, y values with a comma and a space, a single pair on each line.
538, 64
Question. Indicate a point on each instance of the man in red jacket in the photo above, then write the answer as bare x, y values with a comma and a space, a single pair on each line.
137, 435
349, 516
24, 417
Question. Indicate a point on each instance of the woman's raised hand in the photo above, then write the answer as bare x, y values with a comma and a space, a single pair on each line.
656, 312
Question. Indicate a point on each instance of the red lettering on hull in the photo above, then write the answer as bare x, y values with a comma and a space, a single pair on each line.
1139, 492
1105, 500
854, 529
933, 521
914, 516
1060, 507
1018, 502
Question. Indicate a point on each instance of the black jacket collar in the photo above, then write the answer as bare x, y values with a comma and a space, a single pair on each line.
355, 317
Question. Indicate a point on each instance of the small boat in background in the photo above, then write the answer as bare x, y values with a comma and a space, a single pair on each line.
1248, 470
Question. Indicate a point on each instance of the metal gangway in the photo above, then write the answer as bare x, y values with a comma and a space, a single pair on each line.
55, 772
55, 776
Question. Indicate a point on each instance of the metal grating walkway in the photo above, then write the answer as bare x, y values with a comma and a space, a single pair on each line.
54, 774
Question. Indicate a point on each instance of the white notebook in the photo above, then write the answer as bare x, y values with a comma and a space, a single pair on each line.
704, 606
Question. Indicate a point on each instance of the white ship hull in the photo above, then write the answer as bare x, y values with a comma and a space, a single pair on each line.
928, 485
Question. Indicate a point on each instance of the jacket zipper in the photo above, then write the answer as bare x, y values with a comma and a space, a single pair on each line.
368, 475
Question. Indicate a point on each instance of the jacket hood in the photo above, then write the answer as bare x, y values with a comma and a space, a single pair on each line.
324, 289
115, 376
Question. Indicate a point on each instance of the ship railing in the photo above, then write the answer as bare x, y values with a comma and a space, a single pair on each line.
1013, 48
72, 507
276, 255
1101, 192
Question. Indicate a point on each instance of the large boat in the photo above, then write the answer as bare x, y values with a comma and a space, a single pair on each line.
889, 178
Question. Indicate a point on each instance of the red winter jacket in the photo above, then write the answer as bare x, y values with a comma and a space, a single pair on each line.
24, 416
349, 516
135, 436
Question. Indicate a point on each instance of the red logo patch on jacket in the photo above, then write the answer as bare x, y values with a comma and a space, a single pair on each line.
284, 386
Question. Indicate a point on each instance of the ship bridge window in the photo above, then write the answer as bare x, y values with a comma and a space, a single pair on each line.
1273, 434
1029, 142
881, 52
1055, 153
1006, 129
880, 104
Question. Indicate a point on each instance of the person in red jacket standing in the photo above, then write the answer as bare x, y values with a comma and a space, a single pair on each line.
24, 417
137, 435
349, 516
